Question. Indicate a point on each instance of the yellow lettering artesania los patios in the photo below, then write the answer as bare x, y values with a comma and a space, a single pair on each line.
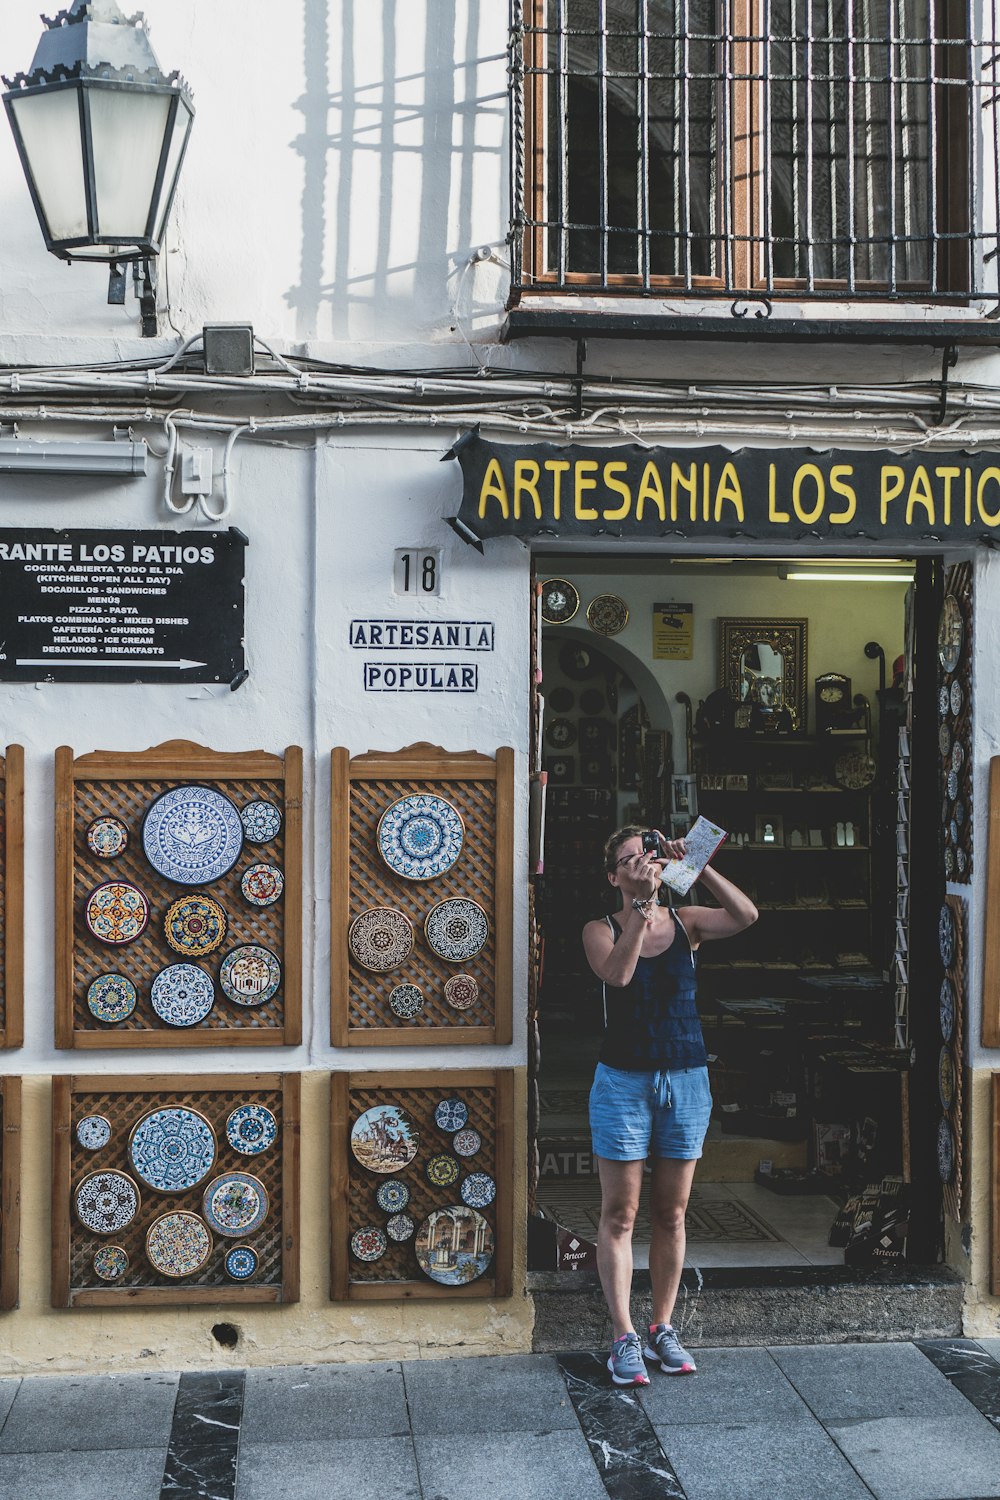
920, 494
773, 513
803, 472
526, 476
557, 468
893, 479
494, 488
651, 488
586, 471
839, 487
729, 490
988, 476
621, 488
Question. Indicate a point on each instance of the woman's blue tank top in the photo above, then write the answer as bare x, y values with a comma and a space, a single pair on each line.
653, 1022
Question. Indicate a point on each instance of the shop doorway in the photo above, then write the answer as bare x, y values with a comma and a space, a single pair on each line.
776, 698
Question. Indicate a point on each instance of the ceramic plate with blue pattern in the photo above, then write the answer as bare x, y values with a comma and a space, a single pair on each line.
454, 1245
172, 1149
93, 1132
241, 1263
451, 1114
392, 1196
261, 821
456, 929
420, 836
251, 1129
182, 994
235, 1203
111, 998
192, 835
478, 1190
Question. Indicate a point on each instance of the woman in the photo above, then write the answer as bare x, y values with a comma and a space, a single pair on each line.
651, 1094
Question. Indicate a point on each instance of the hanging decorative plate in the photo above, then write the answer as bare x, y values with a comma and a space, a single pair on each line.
454, 1245
384, 1139
442, 1171
451, 1114
560, 601
192, 835
560, 700
560, 734
116, 912
107, 837
368, 1244
406, 1001
261, 821
945, 1151
106, 1201
111, 997
956, 698
854, 770
953, 830
235, 1203
182, 994
959, 813
961, 860
456, 929
591, 702
946, 937
400, 1227
461, 991
381, 938
950, 633
250, 975
110, 1262
178, 1244
577, 661
607, 614
172, 1149
949, 863
194, 926
241, 1263
957, 756
466, 1142
262, 885
392, 1196
946, 1079
478, 1190
944, 739
251, 1129
420, 836
93, 1132
943, 701
953, 784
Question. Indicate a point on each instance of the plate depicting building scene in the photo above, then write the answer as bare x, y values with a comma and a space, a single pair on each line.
454, 1245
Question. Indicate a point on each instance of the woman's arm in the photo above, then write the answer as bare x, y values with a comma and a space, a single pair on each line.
613, 962
734, 913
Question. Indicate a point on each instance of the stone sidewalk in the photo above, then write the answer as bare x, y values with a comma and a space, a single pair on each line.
829, 1422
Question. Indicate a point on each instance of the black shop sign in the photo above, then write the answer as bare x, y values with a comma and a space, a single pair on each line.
760, 494
121, 606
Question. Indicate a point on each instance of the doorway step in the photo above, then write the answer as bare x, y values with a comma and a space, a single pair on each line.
761, 1305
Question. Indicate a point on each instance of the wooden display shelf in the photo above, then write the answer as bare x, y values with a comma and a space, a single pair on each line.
12, 897
123, 1101
482, 790
10, 1189
489, 1094
123, 785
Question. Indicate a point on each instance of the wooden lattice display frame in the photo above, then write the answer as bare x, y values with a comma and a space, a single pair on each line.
10, 1189
363, 788
124, 784
489, 1095
957, 809
991, 956
123, 1101
955, 1191
12, 897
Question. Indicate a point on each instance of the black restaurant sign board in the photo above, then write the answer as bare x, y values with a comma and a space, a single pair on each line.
758, 494
121, 606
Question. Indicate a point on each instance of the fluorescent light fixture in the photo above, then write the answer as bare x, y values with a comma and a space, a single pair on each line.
116, 459
842, 577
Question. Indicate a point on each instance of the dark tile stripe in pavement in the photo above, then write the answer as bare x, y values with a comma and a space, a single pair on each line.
970, 1369
629, 1459
204, 1436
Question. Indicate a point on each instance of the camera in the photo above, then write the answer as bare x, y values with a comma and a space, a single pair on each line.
651, 843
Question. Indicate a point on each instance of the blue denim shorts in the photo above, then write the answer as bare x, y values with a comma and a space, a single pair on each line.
636, 1115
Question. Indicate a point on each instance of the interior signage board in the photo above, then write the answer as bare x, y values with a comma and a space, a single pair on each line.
673, 632
121, 606
757, 494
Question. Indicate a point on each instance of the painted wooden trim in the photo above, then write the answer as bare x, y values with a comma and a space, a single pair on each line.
10, 1192
13, 957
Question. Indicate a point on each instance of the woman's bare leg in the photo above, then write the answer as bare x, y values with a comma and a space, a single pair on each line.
668, 1201
621, 1183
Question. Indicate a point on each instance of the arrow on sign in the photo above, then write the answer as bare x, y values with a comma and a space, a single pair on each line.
100, 661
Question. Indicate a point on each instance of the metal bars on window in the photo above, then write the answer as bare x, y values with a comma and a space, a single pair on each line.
843, 148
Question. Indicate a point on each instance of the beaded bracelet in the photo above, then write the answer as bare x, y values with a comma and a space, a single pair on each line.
643, 907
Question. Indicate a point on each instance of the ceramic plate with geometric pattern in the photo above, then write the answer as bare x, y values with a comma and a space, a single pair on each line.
400, 1227
111, 998
110, 1262
235, 1203
241, 1263
251, 1129
106, 1201
456, 929
116, 912
250, 975
392, 1196
406, 1001
192, 835
478, 1190
454, 1245
107, 837
451, 1114
368, 1243
262, 884
93, 1132
946, 1008
172, 1149
420, 836
194, 926
182, 994
178, 1244
945, 1150
442, 1170
381, 938
466, 1142
261, 821
461, 991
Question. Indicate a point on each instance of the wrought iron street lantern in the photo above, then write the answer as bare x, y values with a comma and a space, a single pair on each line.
101, 132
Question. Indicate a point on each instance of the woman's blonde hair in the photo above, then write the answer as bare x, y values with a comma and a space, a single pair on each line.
614, 843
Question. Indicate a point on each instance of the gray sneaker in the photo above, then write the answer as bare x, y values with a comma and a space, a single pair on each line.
625, 1363
664, 1345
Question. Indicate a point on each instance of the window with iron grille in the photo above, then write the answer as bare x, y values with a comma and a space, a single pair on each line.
840, 148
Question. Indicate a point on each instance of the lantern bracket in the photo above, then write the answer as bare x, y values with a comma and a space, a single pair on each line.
144, 282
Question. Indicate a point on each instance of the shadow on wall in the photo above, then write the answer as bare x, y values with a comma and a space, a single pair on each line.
405, 167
